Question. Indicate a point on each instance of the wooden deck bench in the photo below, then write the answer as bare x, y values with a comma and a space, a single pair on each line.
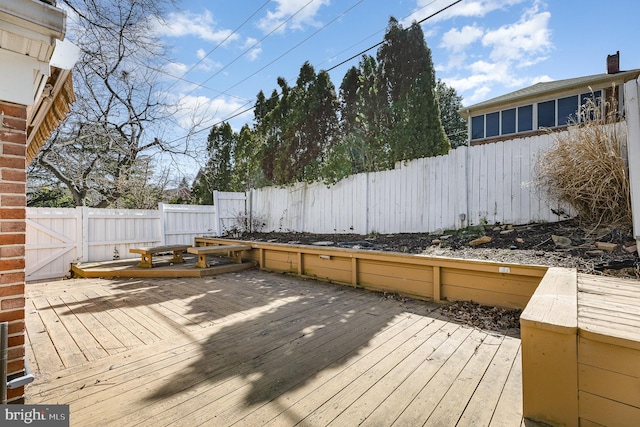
203, 251
148, 252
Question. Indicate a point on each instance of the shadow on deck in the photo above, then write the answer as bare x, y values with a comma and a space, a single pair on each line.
256, 348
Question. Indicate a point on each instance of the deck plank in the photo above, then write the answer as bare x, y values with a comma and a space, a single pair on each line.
131, 363
490, 388
402, 368
108, 341
90, 347
428, 398
65, 345
443, 345
450, 408
45, 354
218, 371
508, 412
256, 348
278, 374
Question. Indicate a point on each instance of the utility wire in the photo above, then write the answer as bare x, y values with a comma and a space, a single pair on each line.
239, 112
220, 44
251, 47
297, 45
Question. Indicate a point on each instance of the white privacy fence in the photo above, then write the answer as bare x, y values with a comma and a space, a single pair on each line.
487, 183
58, 237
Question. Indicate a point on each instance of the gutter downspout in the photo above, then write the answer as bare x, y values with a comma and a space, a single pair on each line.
4, 355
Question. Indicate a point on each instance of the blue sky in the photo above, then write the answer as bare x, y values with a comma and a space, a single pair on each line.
228, 51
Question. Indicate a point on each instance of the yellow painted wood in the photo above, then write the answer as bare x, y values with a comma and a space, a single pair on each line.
609, 310
125, 268
492, 282
614, 358
554, 305
354, 271
481, 296
610, 385
549, 328
607, 412
416, 259
549, 373
501, 284
437, 284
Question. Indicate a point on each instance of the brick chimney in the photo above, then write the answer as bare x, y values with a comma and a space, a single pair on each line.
613, 63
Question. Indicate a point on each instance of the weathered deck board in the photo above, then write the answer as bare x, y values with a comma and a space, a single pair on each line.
609, 307
255, 348
509, 408
488, 392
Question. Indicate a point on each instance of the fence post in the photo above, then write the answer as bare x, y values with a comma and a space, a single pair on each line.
84, 232
218, 220
163, 228
632, 114
248, 209
367, 190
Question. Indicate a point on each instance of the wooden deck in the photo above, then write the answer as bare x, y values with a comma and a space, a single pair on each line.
162, 268
255, 348
609, 307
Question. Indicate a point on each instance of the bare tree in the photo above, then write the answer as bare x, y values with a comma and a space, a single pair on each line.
120, 112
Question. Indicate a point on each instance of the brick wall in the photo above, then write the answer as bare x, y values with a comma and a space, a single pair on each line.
13, 177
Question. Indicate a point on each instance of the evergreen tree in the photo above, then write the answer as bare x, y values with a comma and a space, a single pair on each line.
247, 156
217, 173
407, 80
453, 123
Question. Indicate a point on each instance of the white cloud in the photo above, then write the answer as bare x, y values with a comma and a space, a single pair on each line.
202, 111
529, 36
541, 79
467, 8
483, 59
458, 40
255, 50
175, 69
201, 25
301, 12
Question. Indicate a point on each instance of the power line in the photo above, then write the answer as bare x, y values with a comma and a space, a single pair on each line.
238, 113
298, 44
380, 43
220, 44
252, 46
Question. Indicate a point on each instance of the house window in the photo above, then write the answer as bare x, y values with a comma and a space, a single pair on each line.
594, 96
547, 114
477, 127
525, 118
493, 124
509, 121
567, 110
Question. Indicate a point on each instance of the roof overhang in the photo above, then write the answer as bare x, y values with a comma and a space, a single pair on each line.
541, 91
30, 30
50, 110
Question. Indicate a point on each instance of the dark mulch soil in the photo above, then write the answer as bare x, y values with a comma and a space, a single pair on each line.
531, 237
530, 244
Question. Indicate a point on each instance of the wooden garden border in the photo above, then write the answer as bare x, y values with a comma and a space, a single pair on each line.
417, 276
